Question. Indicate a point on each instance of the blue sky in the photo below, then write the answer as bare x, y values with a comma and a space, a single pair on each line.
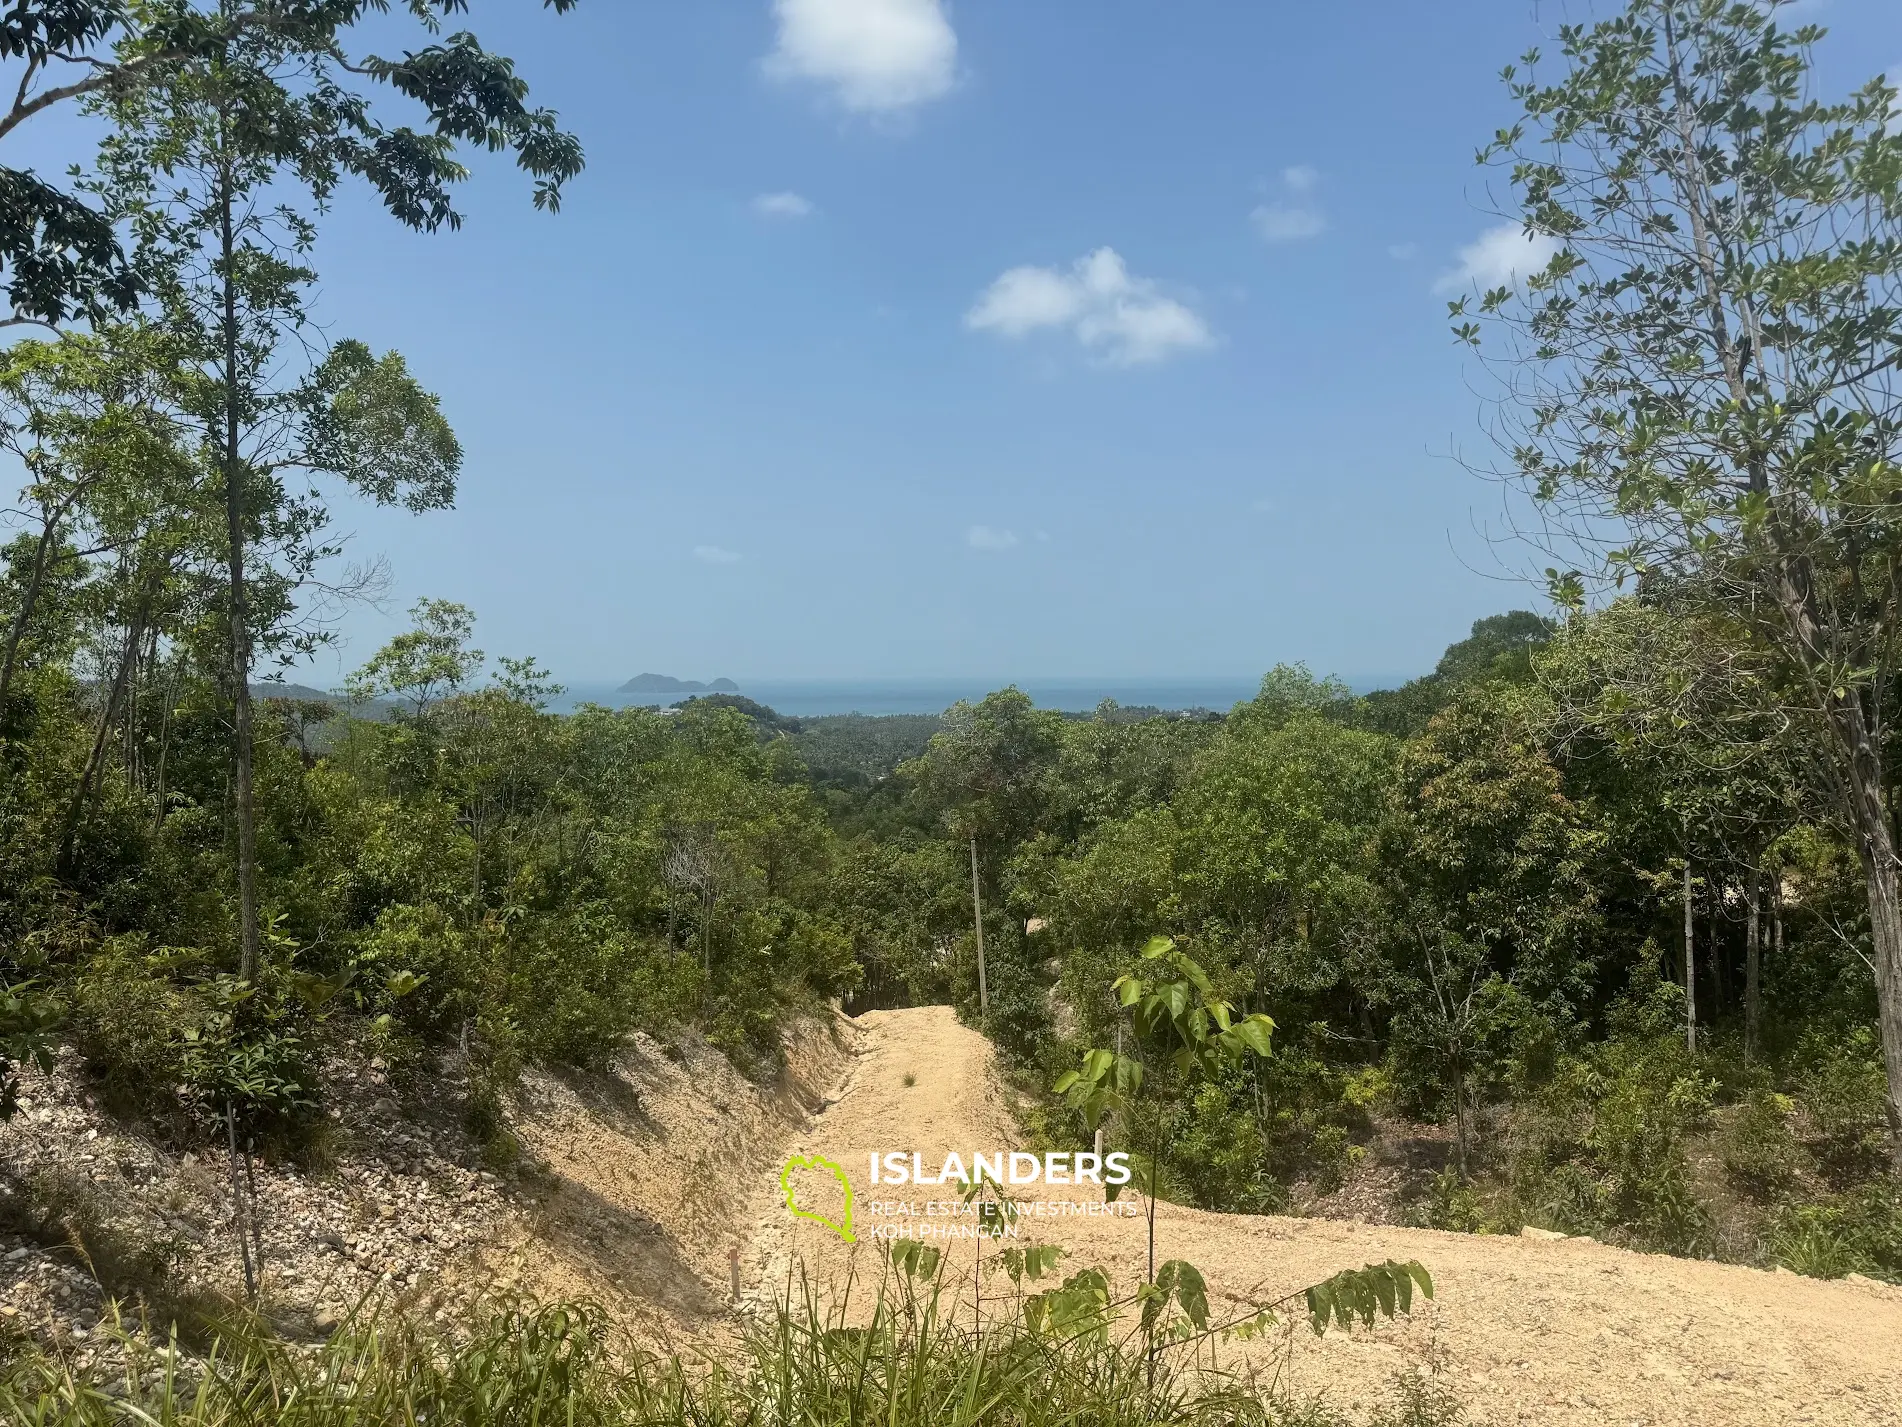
897, 337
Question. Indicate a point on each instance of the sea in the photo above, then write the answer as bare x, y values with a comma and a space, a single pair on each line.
814, 698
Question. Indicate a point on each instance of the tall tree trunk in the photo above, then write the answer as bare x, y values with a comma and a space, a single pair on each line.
977, 915
249, 938
1885, 927
1690, 963
165, 745
1753, 966
1863, 782
1720, 989
96, 757
42, 554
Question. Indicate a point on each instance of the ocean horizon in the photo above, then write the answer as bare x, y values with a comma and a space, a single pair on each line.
817, 698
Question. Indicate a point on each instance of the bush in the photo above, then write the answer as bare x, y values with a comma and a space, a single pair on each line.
1604, 1146
1758, 1148
1840, 1086
1857, 1232
128, 1021
1216, 1151
1453, 1204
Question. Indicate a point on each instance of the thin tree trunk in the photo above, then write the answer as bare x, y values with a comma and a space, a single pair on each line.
165, 745
42, 552
142, 682
237, 1206
96, 757
1690, 963
1719, 980
249, 937
1155, 1166
977, 914
1459, 1120
1753, 967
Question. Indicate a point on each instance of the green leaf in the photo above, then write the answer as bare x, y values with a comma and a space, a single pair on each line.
1191, 1292
1257, 1033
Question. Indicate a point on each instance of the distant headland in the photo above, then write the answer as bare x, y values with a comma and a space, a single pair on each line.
665, 684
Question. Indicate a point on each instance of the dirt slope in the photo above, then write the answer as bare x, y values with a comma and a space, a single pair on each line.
1569, 1332
647, 1170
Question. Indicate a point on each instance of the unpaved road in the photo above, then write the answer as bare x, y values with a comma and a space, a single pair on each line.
1568, 1332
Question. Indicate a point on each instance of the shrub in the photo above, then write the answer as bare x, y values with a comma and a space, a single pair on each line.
1758, 1148
128, 1021
1840, 1086
1857, 1232
1216, 1151
1453, 1204
1604, 1146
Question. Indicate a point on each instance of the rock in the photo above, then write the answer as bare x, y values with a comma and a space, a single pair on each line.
1542, 1235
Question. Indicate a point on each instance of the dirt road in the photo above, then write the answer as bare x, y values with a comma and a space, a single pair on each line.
1527, 1331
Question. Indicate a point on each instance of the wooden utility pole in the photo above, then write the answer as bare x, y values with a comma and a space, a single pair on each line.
977, 913
1690, 964
1753, 966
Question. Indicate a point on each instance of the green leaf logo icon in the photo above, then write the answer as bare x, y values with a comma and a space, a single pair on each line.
843, 1225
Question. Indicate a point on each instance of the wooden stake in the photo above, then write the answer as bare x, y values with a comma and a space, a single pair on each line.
1690, 965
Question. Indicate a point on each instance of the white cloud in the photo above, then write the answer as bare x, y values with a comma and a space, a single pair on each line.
1403, 252
1501, 258
877, 56
985, 537
1282, 222
1123, 319
1299, 216
714, 555
782, 205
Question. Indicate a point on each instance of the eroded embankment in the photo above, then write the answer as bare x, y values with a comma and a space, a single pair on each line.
653, 1166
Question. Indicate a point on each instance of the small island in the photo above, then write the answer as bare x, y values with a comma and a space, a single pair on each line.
666, 684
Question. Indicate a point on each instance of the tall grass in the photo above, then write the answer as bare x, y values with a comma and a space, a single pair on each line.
910, 1365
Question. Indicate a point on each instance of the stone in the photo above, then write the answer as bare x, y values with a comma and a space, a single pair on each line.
1541, 1235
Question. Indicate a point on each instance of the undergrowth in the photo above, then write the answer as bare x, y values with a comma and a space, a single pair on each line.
913, 1364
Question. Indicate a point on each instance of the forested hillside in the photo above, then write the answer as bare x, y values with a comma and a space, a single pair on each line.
1468, 905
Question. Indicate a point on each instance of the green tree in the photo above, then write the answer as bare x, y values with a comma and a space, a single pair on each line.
1182, 1029
62, 256
1491, 877
1670, 722
1706, 365
192, 158
427, 663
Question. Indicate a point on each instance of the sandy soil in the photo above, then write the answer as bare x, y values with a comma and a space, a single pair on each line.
1529, 1331
649, 1178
